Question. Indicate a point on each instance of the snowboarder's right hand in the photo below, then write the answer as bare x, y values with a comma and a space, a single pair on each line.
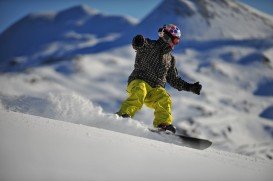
138, 41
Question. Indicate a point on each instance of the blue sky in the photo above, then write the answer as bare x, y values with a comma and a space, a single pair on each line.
13, 10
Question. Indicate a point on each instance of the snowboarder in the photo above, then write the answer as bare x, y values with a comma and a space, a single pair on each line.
154, 66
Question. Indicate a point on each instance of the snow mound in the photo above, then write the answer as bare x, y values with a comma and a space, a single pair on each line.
70, 107
73, 108
36, 148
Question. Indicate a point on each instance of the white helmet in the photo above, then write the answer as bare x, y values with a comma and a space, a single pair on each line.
170, 33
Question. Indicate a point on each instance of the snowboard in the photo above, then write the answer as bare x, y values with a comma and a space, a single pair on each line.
183, 140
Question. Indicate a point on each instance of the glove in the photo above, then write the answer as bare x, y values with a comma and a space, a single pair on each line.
196, 88
138, 41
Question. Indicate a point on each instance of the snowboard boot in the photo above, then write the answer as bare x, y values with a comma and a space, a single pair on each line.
123, 115
167, 128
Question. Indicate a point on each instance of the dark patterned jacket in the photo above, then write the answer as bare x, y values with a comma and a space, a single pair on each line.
155, 64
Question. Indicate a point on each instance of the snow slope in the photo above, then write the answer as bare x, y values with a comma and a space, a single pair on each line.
228, 111
68, 81
36, 148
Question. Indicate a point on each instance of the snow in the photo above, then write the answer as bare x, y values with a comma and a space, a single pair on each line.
36, 148
209, 20
57, 97
76, 24
228, 111
200, 21
229, 90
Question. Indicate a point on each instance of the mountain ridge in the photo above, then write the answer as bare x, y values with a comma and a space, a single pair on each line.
82, 30
31, 34
209, 20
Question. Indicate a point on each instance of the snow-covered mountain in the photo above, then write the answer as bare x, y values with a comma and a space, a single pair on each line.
209, 20
76, 85
47, 37
41, 38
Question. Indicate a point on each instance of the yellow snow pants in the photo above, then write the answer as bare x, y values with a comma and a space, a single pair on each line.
139, 93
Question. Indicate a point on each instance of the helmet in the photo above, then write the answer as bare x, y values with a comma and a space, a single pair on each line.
172, 29
170, 33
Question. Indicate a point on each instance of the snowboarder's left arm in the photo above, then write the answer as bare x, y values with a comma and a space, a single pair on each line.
178, 83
